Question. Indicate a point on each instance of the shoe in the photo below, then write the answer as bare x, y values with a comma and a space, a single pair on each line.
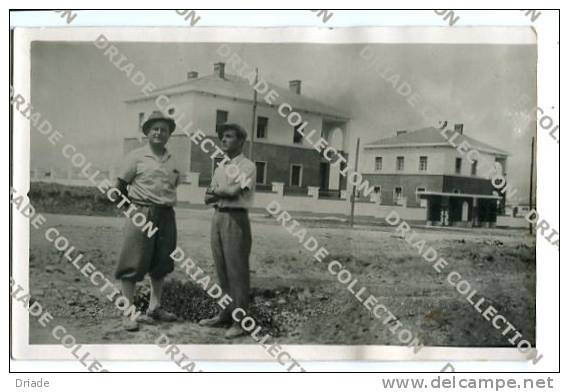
146, 319
234, 332
214, 322
129, 325
160, 314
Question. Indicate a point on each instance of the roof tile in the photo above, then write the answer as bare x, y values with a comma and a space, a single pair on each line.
237, 87
432, 135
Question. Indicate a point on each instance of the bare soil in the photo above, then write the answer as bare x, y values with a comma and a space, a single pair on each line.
295, 298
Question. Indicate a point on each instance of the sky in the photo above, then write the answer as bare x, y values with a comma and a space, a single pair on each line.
82, 93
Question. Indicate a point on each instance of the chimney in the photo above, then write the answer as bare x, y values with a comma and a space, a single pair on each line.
458, 128
192, 75
294, 86
219, 70
402, 132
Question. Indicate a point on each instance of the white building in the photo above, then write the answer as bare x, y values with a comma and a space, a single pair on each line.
280, 153
424, 168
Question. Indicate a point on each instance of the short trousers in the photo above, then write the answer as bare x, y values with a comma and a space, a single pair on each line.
141, 255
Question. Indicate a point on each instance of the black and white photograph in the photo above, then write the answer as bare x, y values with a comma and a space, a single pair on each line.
279, 195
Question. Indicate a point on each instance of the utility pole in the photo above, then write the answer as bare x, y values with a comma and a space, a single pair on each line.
254, 115
353, 195
531, 182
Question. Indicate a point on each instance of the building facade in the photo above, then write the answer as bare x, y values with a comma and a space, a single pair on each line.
279, 152
422, 169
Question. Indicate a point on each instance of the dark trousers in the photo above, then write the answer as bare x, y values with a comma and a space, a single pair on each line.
231, 247
141, 255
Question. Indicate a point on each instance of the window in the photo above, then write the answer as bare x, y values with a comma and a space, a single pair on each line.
398, 195
400, 164
417, 198
500, 166
378, 163
343, 165
220, 117
297, 138
474, 168
296, 175
262, 125
422, 163
458, 165
140, 120
261, 172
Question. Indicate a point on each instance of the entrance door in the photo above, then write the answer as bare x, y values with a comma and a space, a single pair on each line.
464, 211
324, 175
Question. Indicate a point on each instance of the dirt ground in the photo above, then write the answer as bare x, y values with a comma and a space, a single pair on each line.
294, 297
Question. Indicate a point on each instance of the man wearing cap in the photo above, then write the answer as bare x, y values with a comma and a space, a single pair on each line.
231, 194
152, 175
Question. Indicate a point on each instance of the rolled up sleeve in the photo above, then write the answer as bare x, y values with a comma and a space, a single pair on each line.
249, 174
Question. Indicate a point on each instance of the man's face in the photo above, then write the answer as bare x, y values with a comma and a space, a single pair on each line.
230, 142
159, 132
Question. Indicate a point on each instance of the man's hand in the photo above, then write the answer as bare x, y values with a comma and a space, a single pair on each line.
210, 199
231, 192
210, 196
121, 185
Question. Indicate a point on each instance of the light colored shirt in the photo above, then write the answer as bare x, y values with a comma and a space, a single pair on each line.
152, 179
238, 170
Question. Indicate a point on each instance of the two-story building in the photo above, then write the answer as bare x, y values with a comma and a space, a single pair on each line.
279, 152
422, 169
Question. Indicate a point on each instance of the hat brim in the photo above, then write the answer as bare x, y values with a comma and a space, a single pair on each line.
149, 122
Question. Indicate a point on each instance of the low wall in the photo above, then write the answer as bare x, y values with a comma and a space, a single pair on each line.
509, 221
190, 194
379, 211
195, 195
70, 182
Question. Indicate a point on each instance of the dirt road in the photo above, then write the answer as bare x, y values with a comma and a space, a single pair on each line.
296, 298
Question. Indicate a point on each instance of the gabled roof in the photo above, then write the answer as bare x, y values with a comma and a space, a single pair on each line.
236, 87
432, 136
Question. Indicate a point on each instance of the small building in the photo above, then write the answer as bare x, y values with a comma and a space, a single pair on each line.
279, 152
518, 210
422, 169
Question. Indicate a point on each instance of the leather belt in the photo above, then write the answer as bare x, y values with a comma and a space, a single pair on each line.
230, 209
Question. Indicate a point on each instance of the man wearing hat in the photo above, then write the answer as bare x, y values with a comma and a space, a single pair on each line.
231, 194
152, 175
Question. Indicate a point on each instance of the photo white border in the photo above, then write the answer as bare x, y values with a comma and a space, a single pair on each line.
515, 35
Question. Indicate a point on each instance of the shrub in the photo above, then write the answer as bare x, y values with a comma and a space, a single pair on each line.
72, 200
